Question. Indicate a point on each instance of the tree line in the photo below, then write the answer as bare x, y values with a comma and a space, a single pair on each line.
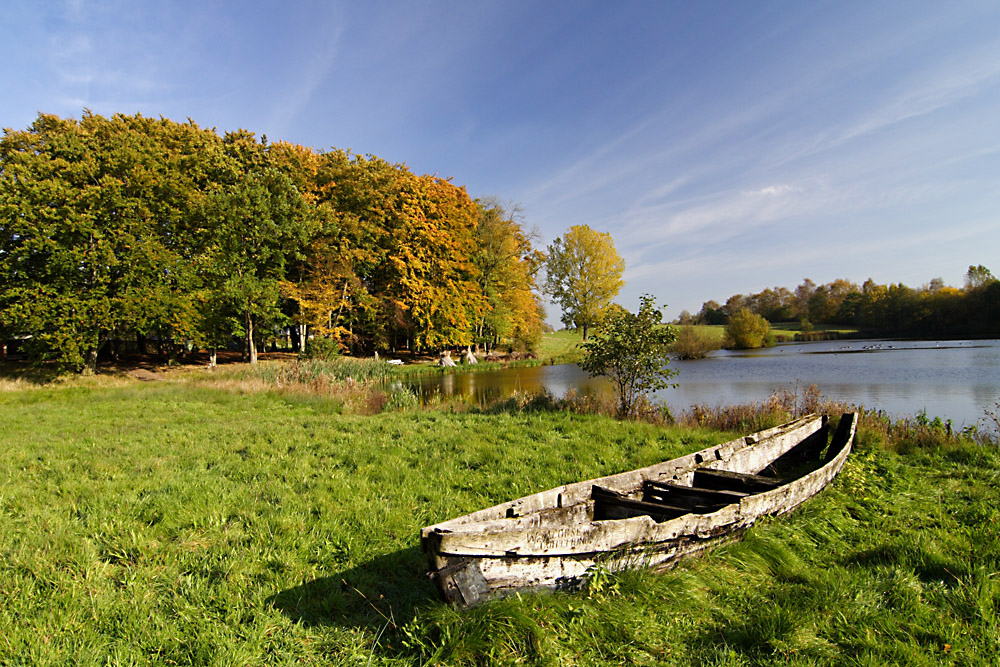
125, 232
934, 310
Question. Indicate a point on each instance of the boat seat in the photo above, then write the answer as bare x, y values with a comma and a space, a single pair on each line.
690, 497
734, 481
610, 504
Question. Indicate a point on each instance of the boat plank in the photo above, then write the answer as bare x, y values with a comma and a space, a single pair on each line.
735, 481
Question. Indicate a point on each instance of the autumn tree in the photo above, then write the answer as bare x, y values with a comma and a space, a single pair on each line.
747, 330
977, 277
317, 280
632, 350
801, 298
774, 304
583, 275
408, 240
506, 266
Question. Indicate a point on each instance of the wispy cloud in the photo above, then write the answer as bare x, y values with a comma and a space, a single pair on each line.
924, 92
312, 76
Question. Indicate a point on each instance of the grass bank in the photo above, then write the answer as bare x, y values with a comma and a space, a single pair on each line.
782, 331
177, 523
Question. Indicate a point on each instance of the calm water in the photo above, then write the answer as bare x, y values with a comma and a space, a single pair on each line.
956, 380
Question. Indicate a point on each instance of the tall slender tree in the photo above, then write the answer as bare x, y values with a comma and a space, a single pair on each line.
583, 275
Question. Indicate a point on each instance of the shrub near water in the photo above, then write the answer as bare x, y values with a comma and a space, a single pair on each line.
693, 343
748, 331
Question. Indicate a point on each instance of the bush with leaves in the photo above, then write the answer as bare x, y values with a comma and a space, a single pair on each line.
633, 351
748, 331
693, 343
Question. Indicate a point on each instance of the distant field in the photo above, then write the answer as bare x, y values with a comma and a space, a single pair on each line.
779, 329
789, 329
561, 345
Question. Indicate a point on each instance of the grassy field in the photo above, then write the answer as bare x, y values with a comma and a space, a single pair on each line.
781, 330
176, 522
562, 346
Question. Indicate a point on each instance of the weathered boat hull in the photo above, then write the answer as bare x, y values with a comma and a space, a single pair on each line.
549, 540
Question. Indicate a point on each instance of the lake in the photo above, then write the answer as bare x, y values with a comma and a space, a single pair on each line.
954, 380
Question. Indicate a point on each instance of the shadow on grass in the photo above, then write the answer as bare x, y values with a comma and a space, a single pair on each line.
385, 590
16, 369
926, 564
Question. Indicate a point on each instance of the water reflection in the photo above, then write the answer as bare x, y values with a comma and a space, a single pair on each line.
954, 379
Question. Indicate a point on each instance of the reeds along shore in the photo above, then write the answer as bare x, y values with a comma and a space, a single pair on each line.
367, 387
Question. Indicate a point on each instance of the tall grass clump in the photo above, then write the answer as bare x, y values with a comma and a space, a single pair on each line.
780, 407
320, 371
920, 433
345, 384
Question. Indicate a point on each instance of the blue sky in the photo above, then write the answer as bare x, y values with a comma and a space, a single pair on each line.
726, 146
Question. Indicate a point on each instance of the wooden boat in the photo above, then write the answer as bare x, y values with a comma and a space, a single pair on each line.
642, 518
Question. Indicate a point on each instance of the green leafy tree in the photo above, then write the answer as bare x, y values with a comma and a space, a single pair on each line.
711, 313
84, 256
747, 331
583, 275
258, 222
633, 351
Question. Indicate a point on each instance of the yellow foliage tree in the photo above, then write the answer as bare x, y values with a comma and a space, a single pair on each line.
584, 274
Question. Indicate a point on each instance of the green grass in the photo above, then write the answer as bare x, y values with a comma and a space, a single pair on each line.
178, 523
796, 327
785, 330
715, 332
170, 523
561, 346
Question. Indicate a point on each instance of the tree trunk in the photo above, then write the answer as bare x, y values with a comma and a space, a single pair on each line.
251, 344
90, 364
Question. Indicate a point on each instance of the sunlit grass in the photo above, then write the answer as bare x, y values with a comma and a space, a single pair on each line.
194, 522
560, 346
